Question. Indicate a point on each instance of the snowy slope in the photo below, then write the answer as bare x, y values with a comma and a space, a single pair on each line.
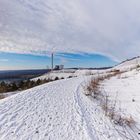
55, 111
46, 112
60, 110
125, 91
127, 65
126, 88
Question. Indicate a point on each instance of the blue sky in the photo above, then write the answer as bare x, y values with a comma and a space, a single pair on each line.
106, 27
10, 61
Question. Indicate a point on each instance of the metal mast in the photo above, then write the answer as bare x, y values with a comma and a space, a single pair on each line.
52, 60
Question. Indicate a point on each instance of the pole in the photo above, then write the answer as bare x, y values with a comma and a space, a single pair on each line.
52, 61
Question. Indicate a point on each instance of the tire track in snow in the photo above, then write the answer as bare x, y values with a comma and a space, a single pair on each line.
79, 107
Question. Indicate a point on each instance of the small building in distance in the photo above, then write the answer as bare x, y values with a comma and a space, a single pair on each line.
59, 67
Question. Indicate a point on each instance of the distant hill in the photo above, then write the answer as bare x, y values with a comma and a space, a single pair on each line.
21, 74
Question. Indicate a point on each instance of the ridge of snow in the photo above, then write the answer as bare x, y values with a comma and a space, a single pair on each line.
128, 64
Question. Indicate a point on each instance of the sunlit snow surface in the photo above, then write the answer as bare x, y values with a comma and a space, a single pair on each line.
60, 110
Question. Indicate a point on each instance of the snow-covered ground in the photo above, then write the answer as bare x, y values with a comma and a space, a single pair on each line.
129, 64
60, 74
51, 111
126, 90
7, 94
70, 73
60, 110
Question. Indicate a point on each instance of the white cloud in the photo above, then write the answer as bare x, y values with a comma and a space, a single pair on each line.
106, 27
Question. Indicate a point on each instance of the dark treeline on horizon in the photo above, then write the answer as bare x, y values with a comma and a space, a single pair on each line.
19, 86
24, 84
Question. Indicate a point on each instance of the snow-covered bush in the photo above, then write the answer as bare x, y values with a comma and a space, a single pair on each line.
92, 88
123, 120
117, 116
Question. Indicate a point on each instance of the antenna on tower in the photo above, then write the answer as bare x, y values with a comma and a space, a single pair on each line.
52, 60
52, 57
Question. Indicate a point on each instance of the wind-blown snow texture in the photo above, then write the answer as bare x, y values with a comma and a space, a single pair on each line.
48, 112
60, 111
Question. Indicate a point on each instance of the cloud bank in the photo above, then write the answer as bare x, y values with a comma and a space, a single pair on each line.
107, 27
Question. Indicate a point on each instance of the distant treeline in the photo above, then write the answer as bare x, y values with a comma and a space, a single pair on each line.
100, 68
22, 85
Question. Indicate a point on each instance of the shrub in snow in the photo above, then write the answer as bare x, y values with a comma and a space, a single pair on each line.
70, 77
123, 120
62, 77
92, 88
56, 78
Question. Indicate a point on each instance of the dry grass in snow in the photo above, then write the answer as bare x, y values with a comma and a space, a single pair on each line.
118, 117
